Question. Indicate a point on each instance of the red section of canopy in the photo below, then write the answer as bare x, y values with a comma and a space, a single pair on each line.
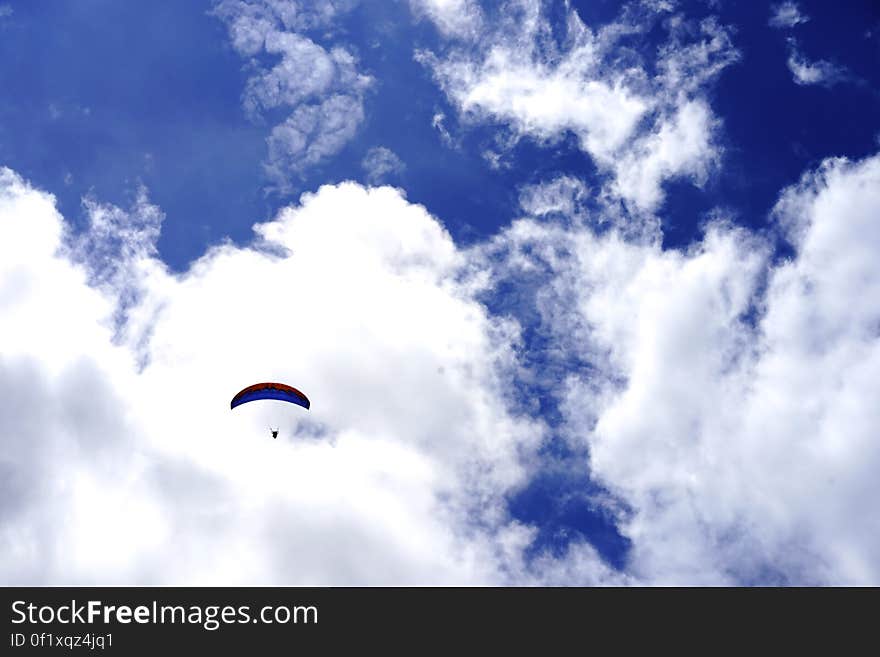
270, 386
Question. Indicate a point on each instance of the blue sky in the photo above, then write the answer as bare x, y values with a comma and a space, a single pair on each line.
590, 181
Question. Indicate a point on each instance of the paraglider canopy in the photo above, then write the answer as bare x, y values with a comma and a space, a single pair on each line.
278, 391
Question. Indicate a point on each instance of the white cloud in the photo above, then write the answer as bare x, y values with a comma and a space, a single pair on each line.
123, 463
543, 100
787, 15
563, 195
819, 72
5, 11
305, 71
250, 20
730, 405
322, 88
454, 18
312, 133
380, 163
438, 123
62, 377
588, 84
694, 55
677, 148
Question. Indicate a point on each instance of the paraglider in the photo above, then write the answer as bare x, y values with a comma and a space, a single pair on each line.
277, 391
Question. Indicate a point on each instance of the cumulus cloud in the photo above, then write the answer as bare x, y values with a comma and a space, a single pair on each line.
118, 468
729, 403
322, 88
786, 15
806, 72
61, 370
587, 84
380, 163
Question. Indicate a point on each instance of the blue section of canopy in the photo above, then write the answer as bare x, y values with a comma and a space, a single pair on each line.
270, 393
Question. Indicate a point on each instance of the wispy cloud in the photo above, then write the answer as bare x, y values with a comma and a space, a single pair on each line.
322, 88
454, 18
786, 15
380, 163
806, 72
544, 86
563, 195
312, 133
